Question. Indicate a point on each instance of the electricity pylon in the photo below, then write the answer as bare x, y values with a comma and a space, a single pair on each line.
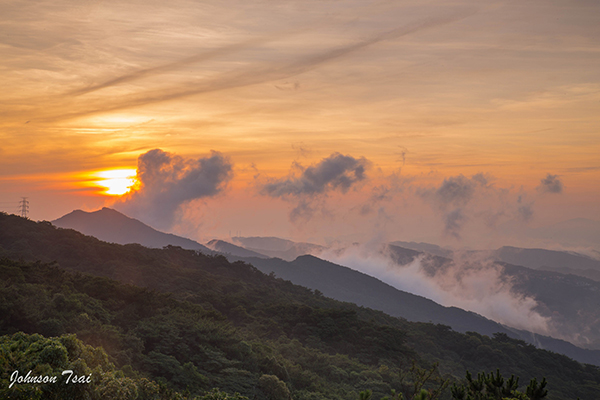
24, 207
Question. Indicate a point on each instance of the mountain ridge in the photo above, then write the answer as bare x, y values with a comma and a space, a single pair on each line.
112, 226
277, 311
405, 305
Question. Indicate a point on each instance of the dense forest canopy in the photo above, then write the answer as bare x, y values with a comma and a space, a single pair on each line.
185, 323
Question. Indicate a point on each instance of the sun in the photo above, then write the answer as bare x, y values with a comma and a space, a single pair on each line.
116, 182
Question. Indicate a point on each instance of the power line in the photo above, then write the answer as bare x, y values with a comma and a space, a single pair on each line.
12, 207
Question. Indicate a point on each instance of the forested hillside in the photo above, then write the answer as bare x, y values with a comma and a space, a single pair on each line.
192, 322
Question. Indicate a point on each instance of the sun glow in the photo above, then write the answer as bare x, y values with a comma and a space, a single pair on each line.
116, 181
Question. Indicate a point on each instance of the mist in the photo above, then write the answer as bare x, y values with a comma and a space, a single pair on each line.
470, 284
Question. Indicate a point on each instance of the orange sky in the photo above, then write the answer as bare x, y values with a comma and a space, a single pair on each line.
423, 91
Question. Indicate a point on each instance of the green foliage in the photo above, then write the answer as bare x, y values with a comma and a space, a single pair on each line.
535, 391
50, 357
495, 387
190, 348
216, 394
194, 322
274, 388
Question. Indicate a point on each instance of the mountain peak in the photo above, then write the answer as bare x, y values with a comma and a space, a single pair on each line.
110, 225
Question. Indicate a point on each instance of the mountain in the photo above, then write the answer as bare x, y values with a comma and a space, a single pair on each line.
277, 247
543, 259
227, 248
345, 284
550, 260
111, 226
568, 301
573, 317
574, 232
424, 247
197, 321
577, 232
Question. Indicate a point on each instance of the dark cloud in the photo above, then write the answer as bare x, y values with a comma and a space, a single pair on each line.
456, 190
167, 181
453, 222
302, 211
526, 212
462, 200
378, 194
334, 172
381, 193
451, 198
550, 184
337, 172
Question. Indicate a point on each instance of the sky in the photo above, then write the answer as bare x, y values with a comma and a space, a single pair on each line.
461, 123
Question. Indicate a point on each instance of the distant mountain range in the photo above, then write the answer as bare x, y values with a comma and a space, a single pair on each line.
565, 262
231, 249
577, 232
277, 247
550, 260
345, 284
332, 280
111, 226
425, 248
219, 314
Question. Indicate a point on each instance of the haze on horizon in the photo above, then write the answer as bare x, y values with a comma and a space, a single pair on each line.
460, 124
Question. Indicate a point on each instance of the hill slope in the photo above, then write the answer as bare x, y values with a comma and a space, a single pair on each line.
345, 284
300, 335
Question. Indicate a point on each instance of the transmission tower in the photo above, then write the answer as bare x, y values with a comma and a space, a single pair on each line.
24, 207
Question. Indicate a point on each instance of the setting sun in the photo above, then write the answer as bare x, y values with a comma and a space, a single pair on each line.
117, 181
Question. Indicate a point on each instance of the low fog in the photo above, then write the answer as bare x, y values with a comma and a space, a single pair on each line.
470, 284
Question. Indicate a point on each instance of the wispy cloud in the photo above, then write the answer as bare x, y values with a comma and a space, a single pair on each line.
247, 76
452, 196
179, 64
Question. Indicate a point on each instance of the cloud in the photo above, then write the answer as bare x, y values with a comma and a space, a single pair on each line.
242, 77
524, 210
453, 222
167, 181
337, 172
334, 172
471, 283
451, 198
475, 201
550, 184
165, 68
393, 185
456, 190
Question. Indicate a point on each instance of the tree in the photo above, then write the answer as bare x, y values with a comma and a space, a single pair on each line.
274, 388
494, 387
